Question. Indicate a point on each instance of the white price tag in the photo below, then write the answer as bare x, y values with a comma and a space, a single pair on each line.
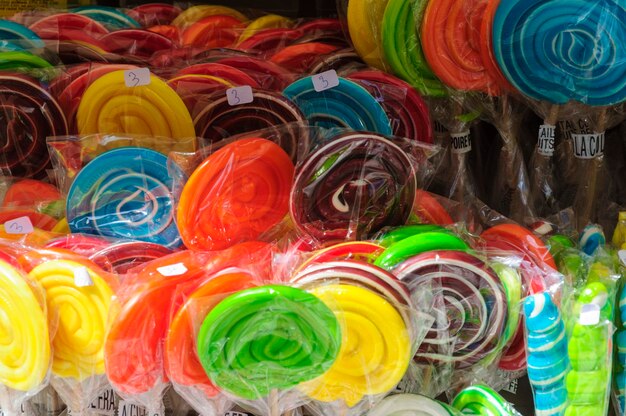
325, 80
137, 77
461, 142
545, 143
172, 270
239, 95
589, 314
82, 277
622, 256
21, 225
588, 146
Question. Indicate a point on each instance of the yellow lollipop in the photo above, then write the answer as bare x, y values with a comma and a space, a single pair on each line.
375, 348
195, 13
364, 24
108, 106
270, 21
80, 314
24, 337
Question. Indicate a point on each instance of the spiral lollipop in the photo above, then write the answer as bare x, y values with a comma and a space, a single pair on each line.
29, 114
109, 106
375, 351
620, 340
236, 194
547, 354
267, 338
473, 300
25, 349
82, 312
124, 193
110, 17
122, 257
181, 360
482, 400
352, 187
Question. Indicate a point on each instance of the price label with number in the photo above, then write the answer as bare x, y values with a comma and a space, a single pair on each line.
172, 270
325, 80
240, 95
21, 225
137, 77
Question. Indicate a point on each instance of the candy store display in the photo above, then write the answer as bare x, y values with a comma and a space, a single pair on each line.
411, 207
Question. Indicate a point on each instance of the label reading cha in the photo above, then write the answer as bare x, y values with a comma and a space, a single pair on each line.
588, 146
545, 143
461, 142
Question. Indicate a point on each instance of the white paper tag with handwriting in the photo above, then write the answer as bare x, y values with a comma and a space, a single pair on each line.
588, 146
172, 270
21, 225
461, 142
104, 404
240, 95
545, 143
589, 314
137, 77
325, 80
82, 277
131, 409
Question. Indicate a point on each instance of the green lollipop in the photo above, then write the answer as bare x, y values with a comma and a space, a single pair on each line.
402, 48
267, 338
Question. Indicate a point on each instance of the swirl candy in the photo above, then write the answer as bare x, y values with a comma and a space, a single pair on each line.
401, 103
451, 43
375, 349
153, 14
181, 360
25, 347
348, 105
124, 193
15, 36
217, 31
620, 340
122, 257
81, 311
109, 106
474, 302
270, 21
138, 43
403, 50
218, 119
548, 52
267, 75
352, 187
353, 250
482, 400
300, 57
411, 405
364, 18
236, 194
591, 239
267, 338
110, 17
195, 13
29, 115
547, 354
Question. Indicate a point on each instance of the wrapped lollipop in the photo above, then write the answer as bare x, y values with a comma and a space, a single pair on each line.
257, 345
482, 400
559, 77
26, 352
412, 405
353, 186
78, 297
370, 304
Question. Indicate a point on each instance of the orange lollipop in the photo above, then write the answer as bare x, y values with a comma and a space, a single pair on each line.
181, 360
236, 194
486, 45
452, 41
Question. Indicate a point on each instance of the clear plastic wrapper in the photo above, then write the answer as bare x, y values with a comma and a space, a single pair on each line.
26, 350
370, 303
135, 346
483, 400
39, 202
78, 296
246, 324
117, 186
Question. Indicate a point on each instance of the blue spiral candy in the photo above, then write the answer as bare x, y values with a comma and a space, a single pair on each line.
562, 50
547, 354
620, 339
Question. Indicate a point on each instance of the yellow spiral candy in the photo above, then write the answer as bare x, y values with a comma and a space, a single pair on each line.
110, 107
195, 13
80, 315
24, 337
364, 22
270, 21
375, 348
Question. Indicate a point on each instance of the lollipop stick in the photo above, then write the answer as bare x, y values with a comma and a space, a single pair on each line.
343, 409
541, 176
274, 406
587, 194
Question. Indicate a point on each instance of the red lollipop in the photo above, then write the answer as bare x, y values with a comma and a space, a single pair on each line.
71, 27
137, 42
85, 245
169, 31
298, 58
153, 14
228, 73
429, 210
267, 42
267, 74
216, 31
121, 257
